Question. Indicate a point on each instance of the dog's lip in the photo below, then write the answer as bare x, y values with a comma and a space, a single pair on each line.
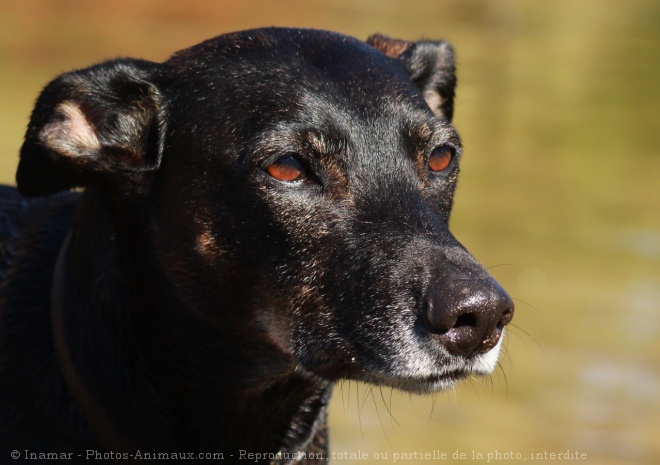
351, 369
452, 376
334, 370
426, 384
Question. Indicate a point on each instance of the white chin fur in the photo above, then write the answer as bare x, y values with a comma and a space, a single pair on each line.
486, 363
423, 374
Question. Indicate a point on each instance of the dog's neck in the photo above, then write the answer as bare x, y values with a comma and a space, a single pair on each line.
143, 360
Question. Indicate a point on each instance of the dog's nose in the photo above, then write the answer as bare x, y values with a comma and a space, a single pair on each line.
468, 316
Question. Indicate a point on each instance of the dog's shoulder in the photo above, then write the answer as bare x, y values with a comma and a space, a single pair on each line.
13, 214
38, 222
31, 234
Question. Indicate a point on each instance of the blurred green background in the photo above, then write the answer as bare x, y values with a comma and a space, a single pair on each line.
559, 109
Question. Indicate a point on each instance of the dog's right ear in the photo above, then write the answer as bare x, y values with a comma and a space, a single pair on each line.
431, 66
99, 124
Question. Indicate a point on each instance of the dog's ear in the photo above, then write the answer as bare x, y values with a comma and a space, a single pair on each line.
431, 67
95, 125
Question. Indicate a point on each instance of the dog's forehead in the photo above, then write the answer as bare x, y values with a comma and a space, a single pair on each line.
268, 83
283, 64
325, 49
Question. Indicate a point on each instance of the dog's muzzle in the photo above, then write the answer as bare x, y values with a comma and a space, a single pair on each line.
467, 316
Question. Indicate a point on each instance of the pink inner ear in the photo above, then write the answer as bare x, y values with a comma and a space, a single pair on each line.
434, 100
393, 48
69, 133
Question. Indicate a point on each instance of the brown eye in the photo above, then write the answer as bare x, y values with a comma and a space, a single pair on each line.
287, 169
440, 159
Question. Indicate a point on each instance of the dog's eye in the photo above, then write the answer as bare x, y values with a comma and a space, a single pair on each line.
287, 168
440, 159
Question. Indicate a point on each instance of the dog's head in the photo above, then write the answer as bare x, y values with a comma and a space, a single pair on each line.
300, 180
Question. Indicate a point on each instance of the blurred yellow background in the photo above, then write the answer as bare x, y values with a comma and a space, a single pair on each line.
559, 109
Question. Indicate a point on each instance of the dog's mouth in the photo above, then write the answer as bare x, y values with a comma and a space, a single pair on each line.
429, 374
431, 383
334, 372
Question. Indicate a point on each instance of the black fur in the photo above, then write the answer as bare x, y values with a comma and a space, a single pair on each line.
208, 306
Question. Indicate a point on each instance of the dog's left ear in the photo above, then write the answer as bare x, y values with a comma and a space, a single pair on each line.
431, 67
99, 125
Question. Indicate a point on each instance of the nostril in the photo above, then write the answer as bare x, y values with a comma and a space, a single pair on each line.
505, 318
466, 319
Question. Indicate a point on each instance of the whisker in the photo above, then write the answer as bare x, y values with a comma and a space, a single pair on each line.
378, 415
389, 409
518, 328
366, 396
357, 391
434, 399
506, 380
501, 265
343, 400
526, 303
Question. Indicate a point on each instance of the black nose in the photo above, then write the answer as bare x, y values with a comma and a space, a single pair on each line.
467, 316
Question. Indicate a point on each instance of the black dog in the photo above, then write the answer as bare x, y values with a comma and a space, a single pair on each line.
264, 214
